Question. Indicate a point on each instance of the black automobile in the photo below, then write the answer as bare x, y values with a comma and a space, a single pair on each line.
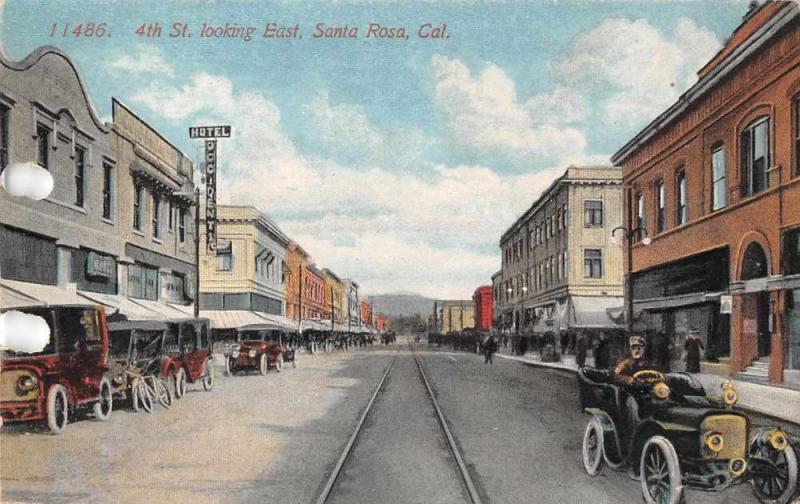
667, 432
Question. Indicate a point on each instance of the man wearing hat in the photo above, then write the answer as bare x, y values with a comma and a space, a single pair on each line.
693, 347
633, 362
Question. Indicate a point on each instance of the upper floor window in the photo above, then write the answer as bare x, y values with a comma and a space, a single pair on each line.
138, 206
755, 156
682, 198
5, 119
796, 137
593, 263
80, 169
108, 191
181, 225
43, 146
224, 256
593, 213
564, 215
719, 191
640, 217
661, 207
171, 216
156, 216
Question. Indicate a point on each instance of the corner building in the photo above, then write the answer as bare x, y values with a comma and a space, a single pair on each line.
716, 181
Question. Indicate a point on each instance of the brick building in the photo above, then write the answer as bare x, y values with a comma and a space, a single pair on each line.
366, 314
482, 298
716, 180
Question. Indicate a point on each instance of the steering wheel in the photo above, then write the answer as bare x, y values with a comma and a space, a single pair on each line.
648, 375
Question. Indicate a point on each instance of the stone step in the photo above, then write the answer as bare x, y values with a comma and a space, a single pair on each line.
760, 364
752, 377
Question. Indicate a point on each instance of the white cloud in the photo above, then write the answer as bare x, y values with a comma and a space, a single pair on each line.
344, 125
148, 60
484, 113
391, 229
634, 69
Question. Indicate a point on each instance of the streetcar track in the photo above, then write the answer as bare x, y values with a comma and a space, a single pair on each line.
466, 478
462, 467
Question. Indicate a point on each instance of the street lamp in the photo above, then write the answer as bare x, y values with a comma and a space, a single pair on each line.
629, 235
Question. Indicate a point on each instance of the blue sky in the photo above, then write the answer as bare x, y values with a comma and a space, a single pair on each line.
396, 162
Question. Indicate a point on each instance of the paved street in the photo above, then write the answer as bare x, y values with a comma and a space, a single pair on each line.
259, 439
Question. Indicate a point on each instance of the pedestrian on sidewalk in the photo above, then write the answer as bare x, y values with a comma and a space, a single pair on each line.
601, 352
693, 347
489, 348
581, 346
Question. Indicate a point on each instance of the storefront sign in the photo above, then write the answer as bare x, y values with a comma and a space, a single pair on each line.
142, 282
99, 265
725, 304
211, 195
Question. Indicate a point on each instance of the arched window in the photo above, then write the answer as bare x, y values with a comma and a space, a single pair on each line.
754, 262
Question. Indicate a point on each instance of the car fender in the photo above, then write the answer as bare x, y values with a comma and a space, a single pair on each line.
611, 443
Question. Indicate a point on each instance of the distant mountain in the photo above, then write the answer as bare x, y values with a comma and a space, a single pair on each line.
401, 305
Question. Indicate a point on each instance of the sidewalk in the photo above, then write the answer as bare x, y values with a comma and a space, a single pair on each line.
777, 402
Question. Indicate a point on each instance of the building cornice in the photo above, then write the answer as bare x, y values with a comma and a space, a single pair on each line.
697, 91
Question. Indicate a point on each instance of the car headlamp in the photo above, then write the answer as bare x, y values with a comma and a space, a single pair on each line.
778, 440
661, 390
26, 383
119, 379
730, 397
737, 467
714, 442
251, 353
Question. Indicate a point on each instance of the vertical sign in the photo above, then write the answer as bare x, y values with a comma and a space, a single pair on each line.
211, 195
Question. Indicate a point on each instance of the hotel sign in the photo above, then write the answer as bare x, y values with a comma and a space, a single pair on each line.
203, 132
211, 195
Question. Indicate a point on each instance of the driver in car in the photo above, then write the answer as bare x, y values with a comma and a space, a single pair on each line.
633, 362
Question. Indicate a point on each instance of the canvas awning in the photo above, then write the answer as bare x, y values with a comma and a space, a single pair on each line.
140, 325
285, 323
233, 319
679, 301
592, 312
16, 294
127, 307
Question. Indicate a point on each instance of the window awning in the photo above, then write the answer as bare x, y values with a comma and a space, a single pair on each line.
121, 305
592, 312
16, 294
235, 319
676, 301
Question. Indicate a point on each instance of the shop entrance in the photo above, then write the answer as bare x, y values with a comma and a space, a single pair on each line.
793, 357
756, 312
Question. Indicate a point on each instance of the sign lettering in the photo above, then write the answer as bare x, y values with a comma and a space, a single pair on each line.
211, 195
210, 132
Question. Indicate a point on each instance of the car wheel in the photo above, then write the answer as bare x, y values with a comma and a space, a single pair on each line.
180, 383
660, 473
230, 366
143, 396
593, 447
57, 409
208, 378
279, 364
102, 408
263, 366
777, 485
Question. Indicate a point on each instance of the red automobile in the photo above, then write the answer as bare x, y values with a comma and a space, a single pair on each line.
65, 376
187, 345
258, 346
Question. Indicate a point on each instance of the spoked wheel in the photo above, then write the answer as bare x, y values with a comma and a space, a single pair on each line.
57, 409
160, 390
180, 383
279, 364
142, 397
208, 378
775, 473
263, 366
660, 473
230, 366
102, 408
593, 447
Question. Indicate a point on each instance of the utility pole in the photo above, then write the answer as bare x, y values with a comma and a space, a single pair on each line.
300, 298
333, 311
196, 252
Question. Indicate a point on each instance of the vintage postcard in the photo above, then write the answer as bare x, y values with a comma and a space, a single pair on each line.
385, 251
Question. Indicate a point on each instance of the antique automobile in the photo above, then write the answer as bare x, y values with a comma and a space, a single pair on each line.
258, 347
66, 376
665, 429
188, 356
136, 364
